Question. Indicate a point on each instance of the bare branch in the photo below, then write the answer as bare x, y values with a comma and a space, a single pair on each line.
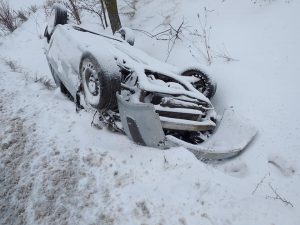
260, 183
157, 35
278, 197
74, 8
204, 34
93, 7
171, 35
175, 36
103, 11
225, 55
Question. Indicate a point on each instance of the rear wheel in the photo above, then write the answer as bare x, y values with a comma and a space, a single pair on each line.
58, 15
99, 87
203, 83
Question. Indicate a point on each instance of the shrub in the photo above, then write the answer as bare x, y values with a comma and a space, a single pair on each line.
8, 18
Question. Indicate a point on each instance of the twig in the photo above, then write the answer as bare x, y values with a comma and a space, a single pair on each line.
206, 34
225, 55
92, 123
174, 37
171, 35
92, 8
73, 7
165, 160
278, 197
259, 183
153, 35
104, 14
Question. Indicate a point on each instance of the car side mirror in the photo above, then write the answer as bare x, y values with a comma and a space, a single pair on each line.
127, 35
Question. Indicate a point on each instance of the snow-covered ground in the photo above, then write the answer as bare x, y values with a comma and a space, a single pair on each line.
57, 169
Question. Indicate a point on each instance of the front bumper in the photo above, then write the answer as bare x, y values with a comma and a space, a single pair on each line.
144, 126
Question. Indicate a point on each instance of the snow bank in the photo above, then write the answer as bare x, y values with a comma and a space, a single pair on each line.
55, 168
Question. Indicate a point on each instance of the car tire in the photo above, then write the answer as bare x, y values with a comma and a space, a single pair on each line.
99, 87
58, 15
205, 84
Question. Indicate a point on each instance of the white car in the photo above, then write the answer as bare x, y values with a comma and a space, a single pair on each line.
154, 103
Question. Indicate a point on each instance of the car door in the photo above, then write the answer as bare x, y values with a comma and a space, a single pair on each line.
64, 56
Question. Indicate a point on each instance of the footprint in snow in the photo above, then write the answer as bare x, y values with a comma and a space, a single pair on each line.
284, 167
236, 169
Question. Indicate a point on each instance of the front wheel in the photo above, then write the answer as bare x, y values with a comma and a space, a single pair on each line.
203, 83
99, 87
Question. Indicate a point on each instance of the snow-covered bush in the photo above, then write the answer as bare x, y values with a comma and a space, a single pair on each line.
13, 65
8, 18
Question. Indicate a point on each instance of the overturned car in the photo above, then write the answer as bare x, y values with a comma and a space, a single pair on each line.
154, 103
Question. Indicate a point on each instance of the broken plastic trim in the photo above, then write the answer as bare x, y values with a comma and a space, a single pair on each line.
142, 124
233, 134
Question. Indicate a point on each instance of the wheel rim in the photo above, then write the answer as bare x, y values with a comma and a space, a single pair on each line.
201, 83
91, 83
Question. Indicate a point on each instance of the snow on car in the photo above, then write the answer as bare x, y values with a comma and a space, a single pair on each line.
154, 103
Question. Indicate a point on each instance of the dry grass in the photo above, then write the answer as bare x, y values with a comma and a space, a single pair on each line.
13, 65
8, 18
46, 82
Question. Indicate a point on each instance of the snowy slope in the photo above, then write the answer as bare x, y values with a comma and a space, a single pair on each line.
17, 4
57, 169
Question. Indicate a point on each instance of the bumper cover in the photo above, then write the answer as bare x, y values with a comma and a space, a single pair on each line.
144, 126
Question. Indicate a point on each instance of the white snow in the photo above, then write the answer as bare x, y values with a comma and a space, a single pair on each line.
57, 169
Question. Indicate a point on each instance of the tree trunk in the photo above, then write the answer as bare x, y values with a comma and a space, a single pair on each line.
112, 10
